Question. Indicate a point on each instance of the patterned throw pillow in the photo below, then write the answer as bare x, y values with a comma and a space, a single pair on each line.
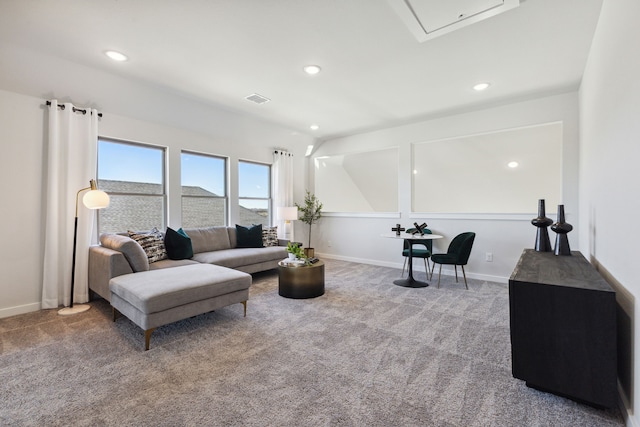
152, 243
270, 236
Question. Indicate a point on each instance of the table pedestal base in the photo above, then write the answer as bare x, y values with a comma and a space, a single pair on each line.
410, 283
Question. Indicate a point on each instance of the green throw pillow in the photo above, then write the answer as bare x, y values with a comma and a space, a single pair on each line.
249, 237
178, 244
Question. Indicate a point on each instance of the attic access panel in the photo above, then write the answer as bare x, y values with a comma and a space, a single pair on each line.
428, 19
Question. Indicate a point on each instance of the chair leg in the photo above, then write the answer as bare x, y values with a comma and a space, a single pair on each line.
433, 266
455, 267
465, 277
439, 272
426, 270
403, 266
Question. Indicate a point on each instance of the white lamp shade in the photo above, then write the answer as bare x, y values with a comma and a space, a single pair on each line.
287, 213
96, 199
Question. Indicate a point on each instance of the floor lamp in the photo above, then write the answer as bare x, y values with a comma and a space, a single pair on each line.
94, 199
288, 214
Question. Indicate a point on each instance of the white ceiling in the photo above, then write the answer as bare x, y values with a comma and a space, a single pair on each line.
375, 73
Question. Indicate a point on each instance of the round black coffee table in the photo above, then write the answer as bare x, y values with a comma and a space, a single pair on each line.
301, 281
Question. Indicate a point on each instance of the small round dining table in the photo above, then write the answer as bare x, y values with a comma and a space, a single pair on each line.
410, 282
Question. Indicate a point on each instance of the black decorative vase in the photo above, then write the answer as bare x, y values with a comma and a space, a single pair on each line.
562, 228
543, 244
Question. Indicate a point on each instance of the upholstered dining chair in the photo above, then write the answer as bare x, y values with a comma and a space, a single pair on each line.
421, 249
457, 255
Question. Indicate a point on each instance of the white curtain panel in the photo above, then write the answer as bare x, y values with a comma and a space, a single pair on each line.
282, 171
71, 162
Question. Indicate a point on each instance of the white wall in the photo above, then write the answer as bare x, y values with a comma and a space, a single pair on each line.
505, 236
131, 111
21, 190
610, 177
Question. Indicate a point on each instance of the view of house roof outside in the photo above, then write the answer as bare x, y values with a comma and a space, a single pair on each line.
139, 206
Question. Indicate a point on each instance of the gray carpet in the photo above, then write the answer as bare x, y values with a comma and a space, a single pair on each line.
367, 353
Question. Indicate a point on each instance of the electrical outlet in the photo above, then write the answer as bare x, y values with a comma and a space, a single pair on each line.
488, 257
329, 243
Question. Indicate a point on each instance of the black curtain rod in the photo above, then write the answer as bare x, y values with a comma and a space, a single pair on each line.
75, 110
282, 152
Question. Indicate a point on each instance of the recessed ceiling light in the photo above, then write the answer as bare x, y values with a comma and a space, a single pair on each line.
314, 127
513, 164
116, 56
312, 69
481, 86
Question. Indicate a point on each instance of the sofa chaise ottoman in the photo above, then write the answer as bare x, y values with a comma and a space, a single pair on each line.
158, 292
158, 297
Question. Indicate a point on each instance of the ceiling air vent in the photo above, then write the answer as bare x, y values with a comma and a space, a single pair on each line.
258, 99
427, 19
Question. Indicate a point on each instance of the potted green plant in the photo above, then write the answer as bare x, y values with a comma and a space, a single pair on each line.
295, 251
310, 211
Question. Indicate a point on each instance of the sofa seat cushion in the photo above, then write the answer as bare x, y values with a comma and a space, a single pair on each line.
158, 290
168, 263
240, 257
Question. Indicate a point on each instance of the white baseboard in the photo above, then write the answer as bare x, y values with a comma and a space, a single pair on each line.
624, 406
418, 266
21, 309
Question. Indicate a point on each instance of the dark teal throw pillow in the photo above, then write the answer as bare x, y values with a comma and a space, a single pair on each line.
249, 237
178, 244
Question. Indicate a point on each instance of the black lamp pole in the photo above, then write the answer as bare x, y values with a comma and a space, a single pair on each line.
80, 308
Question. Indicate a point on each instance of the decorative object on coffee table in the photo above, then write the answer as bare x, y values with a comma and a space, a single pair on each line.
294, 251
543, 244
561, 228
311, 212
397, 229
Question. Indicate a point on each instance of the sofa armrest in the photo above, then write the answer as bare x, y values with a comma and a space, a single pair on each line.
105, 264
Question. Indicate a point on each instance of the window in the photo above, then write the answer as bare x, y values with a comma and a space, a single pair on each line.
133, 176
254, 193
204, 190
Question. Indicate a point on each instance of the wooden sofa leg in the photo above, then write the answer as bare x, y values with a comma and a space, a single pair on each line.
115, 312
147, 338
245, 308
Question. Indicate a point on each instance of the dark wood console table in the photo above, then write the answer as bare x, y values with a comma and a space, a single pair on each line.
563, 327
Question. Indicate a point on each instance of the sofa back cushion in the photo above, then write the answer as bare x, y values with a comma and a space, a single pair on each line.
178, 244
249, 237
131, 250
208, 239
152, 243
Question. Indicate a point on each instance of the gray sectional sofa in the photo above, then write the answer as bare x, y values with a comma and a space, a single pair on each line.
118, 254
162, 292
